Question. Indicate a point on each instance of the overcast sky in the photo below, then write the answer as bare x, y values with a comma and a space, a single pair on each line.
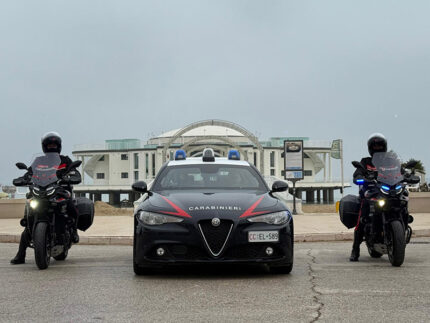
96, 70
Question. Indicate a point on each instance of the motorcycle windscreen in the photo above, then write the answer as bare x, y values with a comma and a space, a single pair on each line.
45, 169
388, 166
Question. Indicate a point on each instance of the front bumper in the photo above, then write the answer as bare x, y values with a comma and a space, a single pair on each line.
184, 244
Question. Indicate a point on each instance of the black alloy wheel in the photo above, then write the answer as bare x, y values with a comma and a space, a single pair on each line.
42, 245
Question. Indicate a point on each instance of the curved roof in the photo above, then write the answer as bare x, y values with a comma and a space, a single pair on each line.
203, 131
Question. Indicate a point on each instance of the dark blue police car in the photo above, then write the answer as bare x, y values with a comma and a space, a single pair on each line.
211, 210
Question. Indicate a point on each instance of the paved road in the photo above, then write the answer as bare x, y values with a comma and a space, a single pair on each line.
97, 284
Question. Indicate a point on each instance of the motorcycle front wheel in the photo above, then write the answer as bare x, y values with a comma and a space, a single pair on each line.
42, 246
397, 244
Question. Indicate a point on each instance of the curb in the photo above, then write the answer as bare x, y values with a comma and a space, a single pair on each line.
128, 240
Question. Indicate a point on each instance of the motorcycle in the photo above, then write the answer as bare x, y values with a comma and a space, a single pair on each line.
46, 219
386, 229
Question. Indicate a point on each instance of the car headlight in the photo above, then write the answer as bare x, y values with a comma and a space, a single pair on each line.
150, 218
272, 218
34, 204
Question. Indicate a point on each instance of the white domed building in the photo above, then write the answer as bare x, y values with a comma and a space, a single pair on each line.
112, 167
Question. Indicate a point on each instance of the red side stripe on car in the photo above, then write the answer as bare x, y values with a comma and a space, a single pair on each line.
178, 212
251, 212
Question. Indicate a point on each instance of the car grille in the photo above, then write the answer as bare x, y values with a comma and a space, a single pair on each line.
215, 237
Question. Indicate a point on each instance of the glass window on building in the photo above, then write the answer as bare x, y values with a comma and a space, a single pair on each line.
124, 175
272, 172
153, 165
272, 159
124, 157
171, 155
307, 173
136, 160
255, 159
102, 158
146, 165
100, 175
136, 175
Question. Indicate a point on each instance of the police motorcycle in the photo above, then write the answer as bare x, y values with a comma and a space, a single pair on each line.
386, 229
46, 219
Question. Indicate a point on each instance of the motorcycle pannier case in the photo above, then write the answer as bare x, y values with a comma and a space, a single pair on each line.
349, 210
86, 213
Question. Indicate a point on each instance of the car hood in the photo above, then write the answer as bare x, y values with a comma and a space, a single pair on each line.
227, 205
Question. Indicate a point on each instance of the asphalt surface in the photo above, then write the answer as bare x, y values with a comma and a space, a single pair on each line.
97, 283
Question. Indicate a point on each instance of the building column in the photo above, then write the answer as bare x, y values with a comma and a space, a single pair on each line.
114, 198
319, 196
331, 195
325, 195
310, 195
97, 197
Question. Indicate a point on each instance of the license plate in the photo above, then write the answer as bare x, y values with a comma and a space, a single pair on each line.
263, 236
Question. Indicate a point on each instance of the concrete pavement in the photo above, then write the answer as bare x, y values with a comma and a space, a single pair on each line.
97, 284
118, 230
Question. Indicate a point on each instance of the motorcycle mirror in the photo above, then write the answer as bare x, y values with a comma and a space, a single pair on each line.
411, 164
75, 164
21, 166
413, 179
357, 164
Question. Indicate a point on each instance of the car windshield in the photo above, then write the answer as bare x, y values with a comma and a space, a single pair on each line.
388, 166
208, 176
45, 168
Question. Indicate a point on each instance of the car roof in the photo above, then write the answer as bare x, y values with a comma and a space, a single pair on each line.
199, 161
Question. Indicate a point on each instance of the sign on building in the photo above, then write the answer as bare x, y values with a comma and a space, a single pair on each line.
293, 152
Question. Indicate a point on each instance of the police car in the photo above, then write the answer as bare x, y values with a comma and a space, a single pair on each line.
211, 210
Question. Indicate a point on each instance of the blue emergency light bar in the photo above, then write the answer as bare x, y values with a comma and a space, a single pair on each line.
233, 155
180, 155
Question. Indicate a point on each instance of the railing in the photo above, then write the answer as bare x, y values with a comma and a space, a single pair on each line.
89, 147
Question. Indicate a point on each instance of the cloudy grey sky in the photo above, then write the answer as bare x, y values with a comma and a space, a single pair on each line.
96, 70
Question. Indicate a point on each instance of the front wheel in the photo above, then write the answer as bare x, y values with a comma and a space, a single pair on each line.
397, 244
42, 247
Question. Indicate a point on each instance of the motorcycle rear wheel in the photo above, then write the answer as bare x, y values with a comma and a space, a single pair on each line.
42, 247
397, 244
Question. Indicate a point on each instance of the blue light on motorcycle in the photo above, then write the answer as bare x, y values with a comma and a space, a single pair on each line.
398, 187
385, 188
359, 181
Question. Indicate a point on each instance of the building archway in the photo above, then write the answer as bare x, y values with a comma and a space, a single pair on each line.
224, 139
222, 123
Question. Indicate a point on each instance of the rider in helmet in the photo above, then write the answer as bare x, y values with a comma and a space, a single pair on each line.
375, 143
51, 143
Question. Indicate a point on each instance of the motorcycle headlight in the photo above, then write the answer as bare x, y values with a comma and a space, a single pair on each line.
272, 218
399, 189
36, 191
50, 190
151, 218
385, 189
34, 204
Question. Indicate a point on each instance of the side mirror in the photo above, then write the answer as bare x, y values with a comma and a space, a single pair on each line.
414, 179
411, 164
75, 164
279, 186
21, 166
357, 164
140, 187
19, 182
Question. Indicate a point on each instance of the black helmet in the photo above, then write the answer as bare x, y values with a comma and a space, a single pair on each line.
51, 142
376, 143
